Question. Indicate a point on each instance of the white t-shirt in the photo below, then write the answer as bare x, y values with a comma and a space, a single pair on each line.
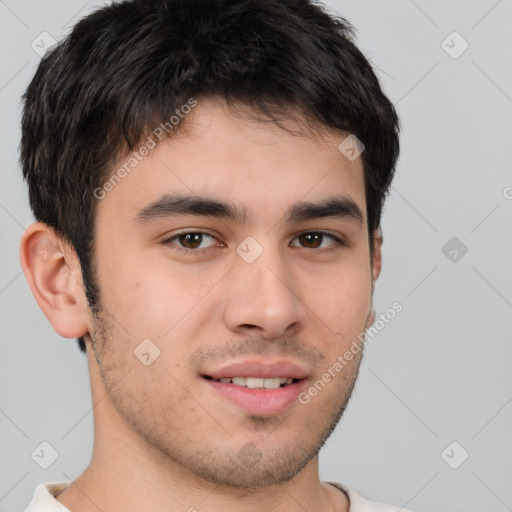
44, 500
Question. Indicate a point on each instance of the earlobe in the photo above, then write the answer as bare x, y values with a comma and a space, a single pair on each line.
53, 274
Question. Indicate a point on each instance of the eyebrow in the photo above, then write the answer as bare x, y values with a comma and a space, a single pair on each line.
170, 205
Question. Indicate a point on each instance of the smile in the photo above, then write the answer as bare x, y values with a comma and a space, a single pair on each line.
257, 383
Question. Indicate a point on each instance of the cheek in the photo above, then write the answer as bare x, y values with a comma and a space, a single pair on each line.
150, 294
341, 300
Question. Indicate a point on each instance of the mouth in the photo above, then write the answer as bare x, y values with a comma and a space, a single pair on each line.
256, 382
258, 388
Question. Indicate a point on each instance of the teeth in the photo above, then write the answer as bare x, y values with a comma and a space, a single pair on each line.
272, 383
252, 382
257, 383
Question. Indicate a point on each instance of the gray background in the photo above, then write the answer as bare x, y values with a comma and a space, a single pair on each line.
438, 373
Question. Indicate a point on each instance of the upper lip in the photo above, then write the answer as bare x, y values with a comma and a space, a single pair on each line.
259, 369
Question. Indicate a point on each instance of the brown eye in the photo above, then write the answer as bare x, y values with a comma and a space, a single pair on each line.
190, 240
193, 241
316, 239
311, 240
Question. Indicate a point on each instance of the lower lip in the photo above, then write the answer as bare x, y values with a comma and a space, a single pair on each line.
259, 402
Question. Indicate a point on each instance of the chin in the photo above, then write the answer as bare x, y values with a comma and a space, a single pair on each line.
249, 468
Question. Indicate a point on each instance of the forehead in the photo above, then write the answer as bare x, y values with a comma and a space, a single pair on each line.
256, 165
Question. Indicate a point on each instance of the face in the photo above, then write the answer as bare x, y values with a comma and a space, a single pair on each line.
234, 269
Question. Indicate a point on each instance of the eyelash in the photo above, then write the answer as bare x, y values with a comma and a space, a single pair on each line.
169, 241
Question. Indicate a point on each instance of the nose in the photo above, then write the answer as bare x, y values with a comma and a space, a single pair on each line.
263, 298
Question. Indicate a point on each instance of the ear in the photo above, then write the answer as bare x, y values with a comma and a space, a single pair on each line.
376, 263
377, 255
53, 272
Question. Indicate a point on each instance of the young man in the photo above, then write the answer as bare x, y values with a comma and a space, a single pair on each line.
207, 179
